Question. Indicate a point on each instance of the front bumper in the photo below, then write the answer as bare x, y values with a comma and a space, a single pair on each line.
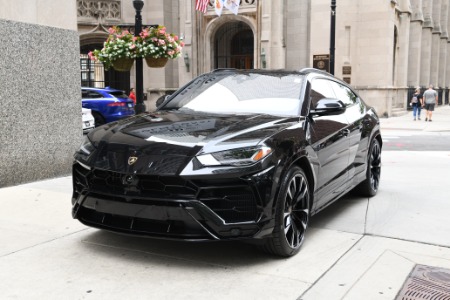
171, 207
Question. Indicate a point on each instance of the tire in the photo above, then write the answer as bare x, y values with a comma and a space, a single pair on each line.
99, 120
369, 187
291, 215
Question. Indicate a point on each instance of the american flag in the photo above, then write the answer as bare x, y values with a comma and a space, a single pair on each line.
201, 5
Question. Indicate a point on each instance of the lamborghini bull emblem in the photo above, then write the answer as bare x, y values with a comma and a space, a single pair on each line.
132, 160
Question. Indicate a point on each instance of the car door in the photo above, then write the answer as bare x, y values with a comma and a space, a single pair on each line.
328, 137
354, 114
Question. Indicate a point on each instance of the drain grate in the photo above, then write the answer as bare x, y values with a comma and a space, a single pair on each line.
426, 282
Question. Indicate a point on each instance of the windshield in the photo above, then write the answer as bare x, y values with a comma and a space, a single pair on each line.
241, 93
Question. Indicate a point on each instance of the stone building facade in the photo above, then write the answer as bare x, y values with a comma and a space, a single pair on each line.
40, 118
383, 48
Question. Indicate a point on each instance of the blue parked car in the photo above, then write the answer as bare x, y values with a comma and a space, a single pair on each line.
107, 104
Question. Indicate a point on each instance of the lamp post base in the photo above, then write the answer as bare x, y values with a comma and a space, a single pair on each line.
139, 108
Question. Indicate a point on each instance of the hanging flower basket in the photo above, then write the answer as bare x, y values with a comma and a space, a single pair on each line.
156, 62
123, 64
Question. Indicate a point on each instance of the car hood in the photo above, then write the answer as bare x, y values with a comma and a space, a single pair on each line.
174, 138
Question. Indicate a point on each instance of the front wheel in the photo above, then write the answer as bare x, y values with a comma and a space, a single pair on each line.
291, 215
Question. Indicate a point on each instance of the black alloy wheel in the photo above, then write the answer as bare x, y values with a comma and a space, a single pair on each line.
292, 215
369, 187
375, 165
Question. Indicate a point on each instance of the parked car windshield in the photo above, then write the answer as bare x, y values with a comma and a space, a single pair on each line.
241, 93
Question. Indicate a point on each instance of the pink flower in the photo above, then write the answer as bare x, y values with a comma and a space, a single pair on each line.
154, 39
132, 46
170, 52
112, 30
182, 44
144, 34
91, 55
135, 38
161, 42
175, 38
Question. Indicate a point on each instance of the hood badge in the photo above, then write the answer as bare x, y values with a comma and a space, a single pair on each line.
132, 160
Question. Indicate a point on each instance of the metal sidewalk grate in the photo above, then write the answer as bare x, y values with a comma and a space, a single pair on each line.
426, 282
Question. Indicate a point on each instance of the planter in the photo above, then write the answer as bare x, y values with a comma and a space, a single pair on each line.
123, 64
156, 62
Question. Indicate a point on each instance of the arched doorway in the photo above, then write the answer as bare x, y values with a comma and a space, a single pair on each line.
234, 46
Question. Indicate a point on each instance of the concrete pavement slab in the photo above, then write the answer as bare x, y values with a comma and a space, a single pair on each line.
320, 251
49, 255
104, 265
35, 213
375, 268
413, 202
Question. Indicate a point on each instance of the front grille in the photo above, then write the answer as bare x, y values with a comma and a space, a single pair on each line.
233, 200
141, 186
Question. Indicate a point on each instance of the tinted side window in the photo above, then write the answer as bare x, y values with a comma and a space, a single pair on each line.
320, 88
90, 95
344, 94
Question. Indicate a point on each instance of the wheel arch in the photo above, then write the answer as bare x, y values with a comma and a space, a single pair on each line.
303, 163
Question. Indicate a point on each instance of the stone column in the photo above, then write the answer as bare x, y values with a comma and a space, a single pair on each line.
404, 27
277, 42
436, 46
415, 43
265, 28
443, 44
425, 55
447, 75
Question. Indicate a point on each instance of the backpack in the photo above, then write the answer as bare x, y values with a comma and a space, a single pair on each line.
414, 99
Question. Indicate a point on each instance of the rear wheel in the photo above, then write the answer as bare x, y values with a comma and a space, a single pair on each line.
99, 120
292, 215
369, 187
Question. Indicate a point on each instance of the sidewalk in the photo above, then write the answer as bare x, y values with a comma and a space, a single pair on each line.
357, 248
440, 123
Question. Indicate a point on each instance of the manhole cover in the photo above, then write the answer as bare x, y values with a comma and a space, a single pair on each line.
426, 282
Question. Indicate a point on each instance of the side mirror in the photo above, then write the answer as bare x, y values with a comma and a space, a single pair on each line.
161, 100
328, 106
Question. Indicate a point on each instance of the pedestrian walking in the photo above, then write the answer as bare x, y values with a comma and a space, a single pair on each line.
132, 96
430, 98
417, 104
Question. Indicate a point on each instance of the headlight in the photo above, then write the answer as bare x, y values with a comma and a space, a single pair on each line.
235, 157
86, 147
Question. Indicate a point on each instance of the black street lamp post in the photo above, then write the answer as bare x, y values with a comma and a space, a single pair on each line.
140, 106
332, 35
